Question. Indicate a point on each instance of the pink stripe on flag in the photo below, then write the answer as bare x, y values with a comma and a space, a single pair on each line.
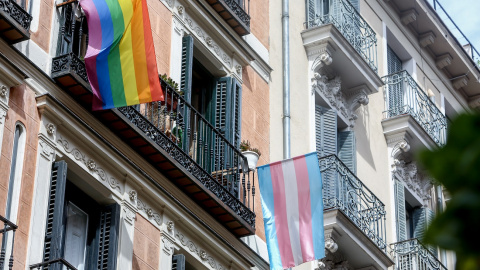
304, 208
94, 46
281, 222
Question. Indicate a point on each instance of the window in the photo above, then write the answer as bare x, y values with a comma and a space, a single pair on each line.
332, 141
79, 229
14, 185
218, 99
325, 10
73, 35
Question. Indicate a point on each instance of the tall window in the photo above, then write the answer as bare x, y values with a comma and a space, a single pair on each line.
14, 184
78, 228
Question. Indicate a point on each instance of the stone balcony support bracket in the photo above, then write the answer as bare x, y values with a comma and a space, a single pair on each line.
408, 16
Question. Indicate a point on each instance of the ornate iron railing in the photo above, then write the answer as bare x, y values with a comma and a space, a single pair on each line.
412, 255
8, 241
17, 13
241, 8
199, 147
404, 96
58, 263
342, 190
353, 27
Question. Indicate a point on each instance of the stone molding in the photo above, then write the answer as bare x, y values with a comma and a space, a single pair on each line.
199, 252
151, 214
416, 181
4, 95
91, 165
47, 147
344, 103
334, 261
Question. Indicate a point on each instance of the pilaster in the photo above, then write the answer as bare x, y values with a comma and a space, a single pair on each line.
127, 229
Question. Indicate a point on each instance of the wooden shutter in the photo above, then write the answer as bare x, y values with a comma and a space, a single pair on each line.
105, 251
325, 131
401, 216
237, 112
178, 262
53, 247
187, 64
311, 11
422, 217
395, 91
355, 4
326, 144
347, 149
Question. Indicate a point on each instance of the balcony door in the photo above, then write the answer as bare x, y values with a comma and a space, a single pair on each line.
395, 88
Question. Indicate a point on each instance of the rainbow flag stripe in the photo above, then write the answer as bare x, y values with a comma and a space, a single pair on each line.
292, 207
120, 59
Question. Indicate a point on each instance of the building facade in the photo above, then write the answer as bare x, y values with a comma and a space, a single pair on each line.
153, 186
372, 82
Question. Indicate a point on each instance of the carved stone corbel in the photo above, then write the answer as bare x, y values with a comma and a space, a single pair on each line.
400, 148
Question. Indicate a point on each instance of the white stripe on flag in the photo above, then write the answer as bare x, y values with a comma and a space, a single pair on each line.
291, 197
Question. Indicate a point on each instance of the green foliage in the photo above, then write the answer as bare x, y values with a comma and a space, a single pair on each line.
245, 146
171, 82
457, 167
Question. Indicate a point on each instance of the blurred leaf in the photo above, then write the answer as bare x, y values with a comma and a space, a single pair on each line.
457, 167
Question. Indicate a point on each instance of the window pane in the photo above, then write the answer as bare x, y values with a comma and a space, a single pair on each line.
76, 236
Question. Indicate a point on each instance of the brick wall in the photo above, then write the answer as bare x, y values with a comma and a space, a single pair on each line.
256, 127
22, 109
146, 245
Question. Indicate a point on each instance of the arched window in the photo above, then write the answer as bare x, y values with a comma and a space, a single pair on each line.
16, 167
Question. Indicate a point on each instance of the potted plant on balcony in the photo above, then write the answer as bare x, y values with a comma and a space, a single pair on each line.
252, 155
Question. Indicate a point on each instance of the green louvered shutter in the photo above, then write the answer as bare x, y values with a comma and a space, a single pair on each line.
326, 131
355, 4
395, 91
186, 87
54, 231
106, 241
187, 65
422, 217
311, 11
347, 149
178, 262
326, 144
236, 112
401, 217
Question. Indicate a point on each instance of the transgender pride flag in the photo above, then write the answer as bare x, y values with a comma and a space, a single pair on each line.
292, 205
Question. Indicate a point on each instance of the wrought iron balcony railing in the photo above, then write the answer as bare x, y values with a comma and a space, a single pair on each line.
353, 27
342, 190
404, 96
55, 264
199, 147
412, 255
235, 12
8, 240
14, 21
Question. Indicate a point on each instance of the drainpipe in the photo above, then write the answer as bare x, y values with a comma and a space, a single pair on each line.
286, 79
439, 195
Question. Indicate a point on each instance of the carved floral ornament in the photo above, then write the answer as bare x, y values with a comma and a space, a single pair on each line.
202, 35
345, 104
3, 91
90, 164
201, 253
407, 172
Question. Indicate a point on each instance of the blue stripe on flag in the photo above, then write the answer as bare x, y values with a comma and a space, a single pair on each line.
316, 200
269, 216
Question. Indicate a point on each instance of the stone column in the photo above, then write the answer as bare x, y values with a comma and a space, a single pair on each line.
127, 230
45, 158
168, 245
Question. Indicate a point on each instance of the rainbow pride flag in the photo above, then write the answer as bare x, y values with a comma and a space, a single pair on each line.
120, 59
292, 207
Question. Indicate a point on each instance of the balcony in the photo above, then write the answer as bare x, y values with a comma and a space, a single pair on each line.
53, 264
235, 13
8, 241
171, 135
353, 27
14, 22
412, 255
405, 100
355, 213
449, 49
343, 44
